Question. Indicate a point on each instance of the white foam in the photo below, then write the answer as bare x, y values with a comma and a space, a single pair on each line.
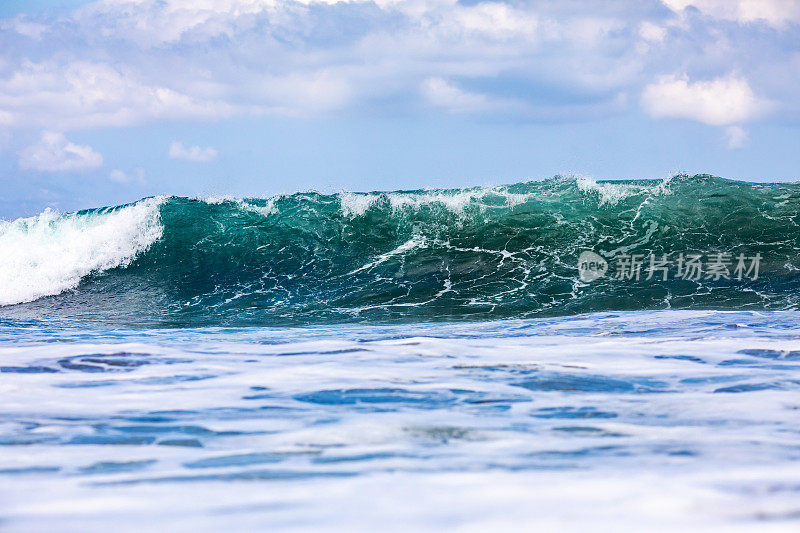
356, 204
464, 448
611, 193
458, 201
455, 201
218, 200
50, 253
265, 210
414, 242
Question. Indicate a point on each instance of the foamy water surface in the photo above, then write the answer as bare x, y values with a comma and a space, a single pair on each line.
602, 422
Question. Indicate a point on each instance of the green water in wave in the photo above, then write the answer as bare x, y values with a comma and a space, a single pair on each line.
462, 254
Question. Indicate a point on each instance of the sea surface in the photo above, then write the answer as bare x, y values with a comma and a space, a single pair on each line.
407, 361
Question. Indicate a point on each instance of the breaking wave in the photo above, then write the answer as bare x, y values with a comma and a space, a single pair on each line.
477, 253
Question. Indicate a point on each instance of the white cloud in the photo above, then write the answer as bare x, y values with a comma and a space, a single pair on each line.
156, 22
652, 32
23, 27
777, 13
542, 60
85, 94
735, 137
302, 93
118, 176
718, 102
192, 153
493, 19
443, 94
54, 153
180, 59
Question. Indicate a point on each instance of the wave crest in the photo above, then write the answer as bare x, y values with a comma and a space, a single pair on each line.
50, 253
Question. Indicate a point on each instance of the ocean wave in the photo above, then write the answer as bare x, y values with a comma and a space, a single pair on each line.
476, 253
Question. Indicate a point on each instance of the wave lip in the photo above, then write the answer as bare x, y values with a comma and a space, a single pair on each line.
51, 253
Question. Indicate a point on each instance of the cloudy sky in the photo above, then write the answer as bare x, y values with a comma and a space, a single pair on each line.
105, 102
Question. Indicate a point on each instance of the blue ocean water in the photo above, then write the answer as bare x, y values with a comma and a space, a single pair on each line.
653, 420
563, 355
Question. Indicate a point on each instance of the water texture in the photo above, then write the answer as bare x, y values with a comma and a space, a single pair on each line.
657, 420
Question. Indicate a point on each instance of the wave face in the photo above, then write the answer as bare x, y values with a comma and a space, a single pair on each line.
481, 253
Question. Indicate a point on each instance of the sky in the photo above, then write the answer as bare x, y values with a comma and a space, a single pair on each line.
106, 102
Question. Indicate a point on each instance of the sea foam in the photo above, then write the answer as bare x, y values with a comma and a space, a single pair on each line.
644, 421
50, 253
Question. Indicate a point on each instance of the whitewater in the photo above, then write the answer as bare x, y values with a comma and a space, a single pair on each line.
406, 361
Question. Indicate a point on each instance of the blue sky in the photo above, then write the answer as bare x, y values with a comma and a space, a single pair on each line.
106, 102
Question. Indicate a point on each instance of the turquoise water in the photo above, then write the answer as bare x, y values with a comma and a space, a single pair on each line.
422, 360
451, 255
